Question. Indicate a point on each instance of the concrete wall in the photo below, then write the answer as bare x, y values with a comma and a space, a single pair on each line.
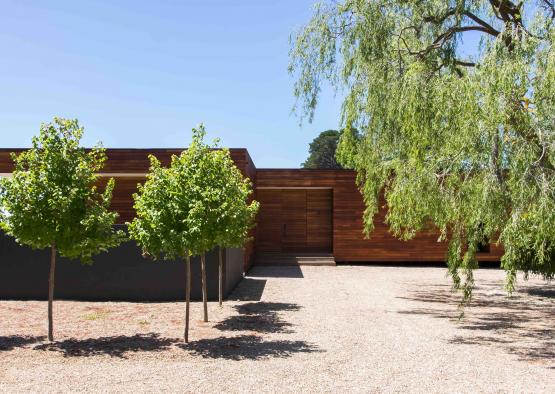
119, 274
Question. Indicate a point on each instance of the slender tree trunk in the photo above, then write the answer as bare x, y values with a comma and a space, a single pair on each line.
187, 296
51, 292
204, 295
220, 277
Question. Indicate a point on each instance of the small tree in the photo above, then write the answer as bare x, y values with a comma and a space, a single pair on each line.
161, 227
233, 215
181, 208
51, 200
220, 215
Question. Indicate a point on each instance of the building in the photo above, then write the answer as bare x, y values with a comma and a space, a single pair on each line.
303, 212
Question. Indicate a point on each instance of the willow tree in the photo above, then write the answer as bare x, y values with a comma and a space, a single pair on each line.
455, 135
51, 200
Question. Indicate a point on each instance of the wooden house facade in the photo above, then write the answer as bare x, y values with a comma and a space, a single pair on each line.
303, 211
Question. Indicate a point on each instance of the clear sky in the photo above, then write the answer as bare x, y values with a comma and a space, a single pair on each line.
142, 73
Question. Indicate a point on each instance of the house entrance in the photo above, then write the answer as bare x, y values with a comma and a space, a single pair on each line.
294, 220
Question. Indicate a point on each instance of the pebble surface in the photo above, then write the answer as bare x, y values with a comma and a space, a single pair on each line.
338, 329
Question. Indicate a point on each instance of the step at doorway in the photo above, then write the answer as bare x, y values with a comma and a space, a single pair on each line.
294, 259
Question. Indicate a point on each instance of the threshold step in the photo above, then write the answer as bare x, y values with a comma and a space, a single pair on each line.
309, 259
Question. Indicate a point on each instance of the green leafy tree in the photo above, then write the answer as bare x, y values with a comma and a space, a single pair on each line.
232, 214
190, 208
51, 200
220, 215
161, 226
322, 151
459, 138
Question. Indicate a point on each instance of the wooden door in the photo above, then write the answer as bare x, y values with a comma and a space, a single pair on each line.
293, 215
319, 220
294, 220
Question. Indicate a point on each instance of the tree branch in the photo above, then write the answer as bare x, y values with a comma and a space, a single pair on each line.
464, 63
491, 29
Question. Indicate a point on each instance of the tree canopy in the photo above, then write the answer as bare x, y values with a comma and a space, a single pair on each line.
197, 203
321, 151
456, 135
52, 195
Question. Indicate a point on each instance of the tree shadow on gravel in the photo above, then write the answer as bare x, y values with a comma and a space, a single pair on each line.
246, 347
522, 324
262, 317
541, 292
11, 342
115, 346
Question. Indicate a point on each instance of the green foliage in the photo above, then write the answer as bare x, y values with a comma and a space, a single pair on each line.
463, 141
52, 197
322, 151
197, 203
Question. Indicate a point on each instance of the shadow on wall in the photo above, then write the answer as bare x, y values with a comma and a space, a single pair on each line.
121, 274
523, 324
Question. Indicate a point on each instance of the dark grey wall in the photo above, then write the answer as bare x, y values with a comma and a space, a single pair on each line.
233, 271
119, 274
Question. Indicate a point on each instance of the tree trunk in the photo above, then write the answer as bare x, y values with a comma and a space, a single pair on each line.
204, 295
51, 292
187, 296
220, 277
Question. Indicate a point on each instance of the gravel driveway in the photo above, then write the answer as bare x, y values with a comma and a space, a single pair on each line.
287, 329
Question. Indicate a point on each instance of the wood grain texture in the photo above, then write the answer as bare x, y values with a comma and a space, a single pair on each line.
269, 231
350, 244
132, 164
294, 220
347, 242
319, 220
127, 160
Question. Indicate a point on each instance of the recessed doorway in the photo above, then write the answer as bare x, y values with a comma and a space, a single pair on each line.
294, 221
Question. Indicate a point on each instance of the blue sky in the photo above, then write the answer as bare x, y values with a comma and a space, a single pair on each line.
143, 73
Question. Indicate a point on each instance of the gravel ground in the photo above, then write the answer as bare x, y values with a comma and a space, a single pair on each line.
286, 329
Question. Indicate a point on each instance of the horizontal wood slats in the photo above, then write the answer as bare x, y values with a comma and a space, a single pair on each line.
137, 161
269, 231
319, 220
348, 240
294, 221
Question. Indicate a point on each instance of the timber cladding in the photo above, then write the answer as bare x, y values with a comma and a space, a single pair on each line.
349, 243
294, 220
129, 166
302, 210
